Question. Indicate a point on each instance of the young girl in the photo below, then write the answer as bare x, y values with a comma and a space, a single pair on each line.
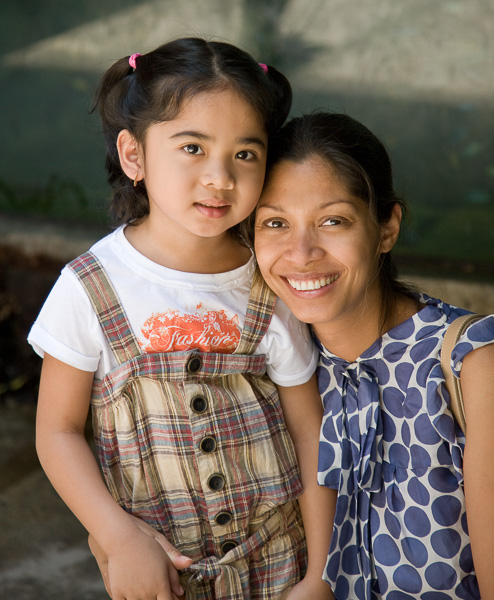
406, 476
159, 328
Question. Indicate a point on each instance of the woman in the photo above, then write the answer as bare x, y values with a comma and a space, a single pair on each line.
406, 477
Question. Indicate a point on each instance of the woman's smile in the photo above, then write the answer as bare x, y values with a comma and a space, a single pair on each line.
304, 285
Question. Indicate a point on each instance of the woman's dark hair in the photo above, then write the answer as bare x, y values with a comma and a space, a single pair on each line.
155, 90
360, 160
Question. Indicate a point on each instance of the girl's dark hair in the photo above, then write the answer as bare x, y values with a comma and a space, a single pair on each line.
360, 160
154, 91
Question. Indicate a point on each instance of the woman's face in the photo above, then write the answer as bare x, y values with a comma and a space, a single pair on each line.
317, 246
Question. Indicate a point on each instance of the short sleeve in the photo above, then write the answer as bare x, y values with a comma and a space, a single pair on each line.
67, 327
478, 334
291, 353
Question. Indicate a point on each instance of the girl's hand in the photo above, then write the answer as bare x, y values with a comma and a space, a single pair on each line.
315, 589
139, 569
101, 559
167, 564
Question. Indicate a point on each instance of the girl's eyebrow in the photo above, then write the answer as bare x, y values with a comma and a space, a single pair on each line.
202, 136
190, 133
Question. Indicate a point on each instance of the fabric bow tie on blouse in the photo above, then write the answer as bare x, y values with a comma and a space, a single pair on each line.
353, 423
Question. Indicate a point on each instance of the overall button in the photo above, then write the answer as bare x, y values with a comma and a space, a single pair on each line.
228, 545
194, 364
223, 518
199, 404
207, 444
216, 482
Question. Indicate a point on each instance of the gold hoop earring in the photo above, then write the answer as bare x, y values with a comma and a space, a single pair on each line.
135, 178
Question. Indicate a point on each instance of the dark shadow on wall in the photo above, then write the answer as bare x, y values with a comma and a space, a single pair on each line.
29, 21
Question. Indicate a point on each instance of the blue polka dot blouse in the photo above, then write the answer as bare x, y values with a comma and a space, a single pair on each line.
390, 446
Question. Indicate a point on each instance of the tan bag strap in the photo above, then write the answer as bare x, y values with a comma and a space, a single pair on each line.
451, 337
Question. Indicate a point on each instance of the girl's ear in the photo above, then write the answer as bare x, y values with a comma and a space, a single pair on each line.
130, 155
391, 230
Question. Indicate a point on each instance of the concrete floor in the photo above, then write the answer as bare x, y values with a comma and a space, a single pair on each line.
43, 549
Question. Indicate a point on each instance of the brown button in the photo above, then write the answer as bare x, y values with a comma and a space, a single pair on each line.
223, 518
216, 482
227, 546
207, 444
194, 364
199, 404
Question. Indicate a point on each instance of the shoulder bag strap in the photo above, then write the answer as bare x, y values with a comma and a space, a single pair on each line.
451, 337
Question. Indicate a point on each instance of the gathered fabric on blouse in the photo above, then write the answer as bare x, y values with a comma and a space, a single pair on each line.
391, 447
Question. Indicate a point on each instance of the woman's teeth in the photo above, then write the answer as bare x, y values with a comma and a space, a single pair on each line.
311, 284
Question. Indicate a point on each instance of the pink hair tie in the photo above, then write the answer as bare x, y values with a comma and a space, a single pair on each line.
132, 60
264, 67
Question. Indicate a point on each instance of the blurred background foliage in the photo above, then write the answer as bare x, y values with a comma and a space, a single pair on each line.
420, 74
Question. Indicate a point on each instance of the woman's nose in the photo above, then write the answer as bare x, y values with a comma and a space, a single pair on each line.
303, 247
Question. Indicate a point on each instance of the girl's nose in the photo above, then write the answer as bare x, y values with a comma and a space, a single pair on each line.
218, 175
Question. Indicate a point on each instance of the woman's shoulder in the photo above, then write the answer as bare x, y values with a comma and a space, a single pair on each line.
432, 319
477, 334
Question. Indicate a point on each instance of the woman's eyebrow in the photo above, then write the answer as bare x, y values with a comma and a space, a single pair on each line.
339, 201
322, 206
271, 207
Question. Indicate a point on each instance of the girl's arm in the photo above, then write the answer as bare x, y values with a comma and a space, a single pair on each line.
477, 383
138, 567
302, 409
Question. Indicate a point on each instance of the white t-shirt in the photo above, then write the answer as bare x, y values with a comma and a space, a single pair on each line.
168, 310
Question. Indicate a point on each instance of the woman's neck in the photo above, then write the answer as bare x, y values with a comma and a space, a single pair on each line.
349, 338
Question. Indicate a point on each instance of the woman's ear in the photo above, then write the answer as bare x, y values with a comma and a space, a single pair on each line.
391, 230
129, 154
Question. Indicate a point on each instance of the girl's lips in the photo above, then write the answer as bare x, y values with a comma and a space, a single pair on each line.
303, 285
214, 211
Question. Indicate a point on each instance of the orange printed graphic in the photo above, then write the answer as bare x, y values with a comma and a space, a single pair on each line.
208, 331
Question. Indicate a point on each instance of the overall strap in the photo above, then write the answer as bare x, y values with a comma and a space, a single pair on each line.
259, 312
107, 306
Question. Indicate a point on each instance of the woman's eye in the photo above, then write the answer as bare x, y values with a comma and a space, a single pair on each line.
193, 149
245, 155
333, 221
274, 224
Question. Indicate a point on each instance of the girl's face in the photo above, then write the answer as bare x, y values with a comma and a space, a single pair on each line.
204, 170
317, 246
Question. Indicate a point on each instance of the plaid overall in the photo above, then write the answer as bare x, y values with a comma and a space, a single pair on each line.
195, 444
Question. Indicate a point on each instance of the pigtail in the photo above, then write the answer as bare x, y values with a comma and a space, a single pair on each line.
282, 98
108, 98
115, 100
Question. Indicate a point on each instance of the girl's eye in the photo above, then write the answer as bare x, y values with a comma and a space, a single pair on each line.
193, 149
245, 155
